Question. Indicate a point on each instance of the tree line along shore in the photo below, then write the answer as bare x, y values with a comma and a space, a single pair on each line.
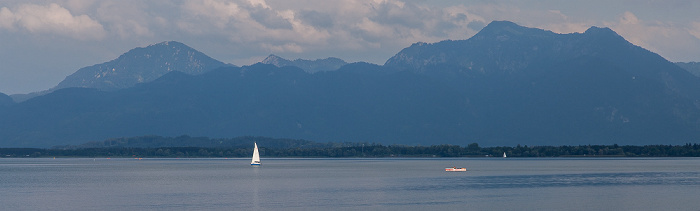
355, 150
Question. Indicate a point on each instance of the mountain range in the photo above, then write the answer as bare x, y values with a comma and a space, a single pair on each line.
506, 85
139, 65
310, 66
142, 65
692, 67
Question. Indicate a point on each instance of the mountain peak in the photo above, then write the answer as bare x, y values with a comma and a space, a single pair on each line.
172, 44
166, 48
142, 64
275, 60
507, 28
503, 24
169, 42
595, 29
602, 32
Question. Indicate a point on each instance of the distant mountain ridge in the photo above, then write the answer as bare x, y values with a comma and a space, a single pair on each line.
692, 67
506, 50
255, 100
506, 85
5, 100
310, 66
577, 77
141, 65
505, 47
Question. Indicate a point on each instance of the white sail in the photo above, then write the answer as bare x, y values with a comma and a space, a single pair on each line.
504, 154
256, 156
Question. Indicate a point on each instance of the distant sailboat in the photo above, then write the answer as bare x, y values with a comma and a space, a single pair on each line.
504, 155
256, 156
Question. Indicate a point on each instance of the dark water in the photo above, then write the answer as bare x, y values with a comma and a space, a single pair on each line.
350, 184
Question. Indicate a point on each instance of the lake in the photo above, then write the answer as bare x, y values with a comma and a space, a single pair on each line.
350, 184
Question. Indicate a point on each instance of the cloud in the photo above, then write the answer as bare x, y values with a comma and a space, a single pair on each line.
7, 19
629, 18
694, 29
127, 20
300, 27
219, 13
269, 18
51, 19
636, 31
80, 6
665, 38
248, 22
288, 47
316, 19
260, 3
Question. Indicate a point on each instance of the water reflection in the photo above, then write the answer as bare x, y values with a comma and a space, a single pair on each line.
256, 187
557, 180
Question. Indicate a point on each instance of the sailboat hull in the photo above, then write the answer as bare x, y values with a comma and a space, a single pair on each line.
455, 169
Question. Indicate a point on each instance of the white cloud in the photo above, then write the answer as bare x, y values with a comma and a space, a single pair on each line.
312, 26
261, 3
130, 19
288, 47
628, 18
694, 29
51, 19
250, 22
79, 6
7, 19
220, 13
129, 28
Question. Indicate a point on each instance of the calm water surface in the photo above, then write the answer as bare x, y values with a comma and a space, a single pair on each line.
350, 184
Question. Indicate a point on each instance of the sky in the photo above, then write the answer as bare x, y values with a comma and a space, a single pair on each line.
43, 41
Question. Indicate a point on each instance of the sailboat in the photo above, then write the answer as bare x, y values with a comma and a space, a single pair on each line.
504, 155
256, 156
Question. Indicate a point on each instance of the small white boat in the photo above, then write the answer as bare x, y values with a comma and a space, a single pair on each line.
504, 154
455, 169
256, 156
